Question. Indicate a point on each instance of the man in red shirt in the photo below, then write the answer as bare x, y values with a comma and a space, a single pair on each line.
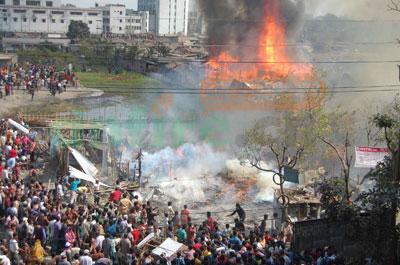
210, 222
115, 195
185, 215
12, 153
136, 235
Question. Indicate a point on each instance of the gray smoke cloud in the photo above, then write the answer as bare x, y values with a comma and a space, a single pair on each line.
240, 22
354, 9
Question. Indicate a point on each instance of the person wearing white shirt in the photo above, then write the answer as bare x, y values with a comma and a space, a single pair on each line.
99, 241
85, 259
60, 191
4, 260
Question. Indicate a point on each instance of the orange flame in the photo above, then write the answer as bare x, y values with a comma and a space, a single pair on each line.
272, 60
272, 63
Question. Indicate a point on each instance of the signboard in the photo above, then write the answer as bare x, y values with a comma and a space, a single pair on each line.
369, 157
291, 175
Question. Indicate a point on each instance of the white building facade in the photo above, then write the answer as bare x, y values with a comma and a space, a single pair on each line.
49, 16
114, 19
137, 22
45, 16
171, 17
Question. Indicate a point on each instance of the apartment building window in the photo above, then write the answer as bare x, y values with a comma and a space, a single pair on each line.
15, 19
62, 21
76, 13
31, 3
39, 12
4, 10
34, 20
19, 11
93, 14
120, 12
90, 22
49, 3
120, 28
43, 20
24, 19
2, 2
53, 20
5, 19
137, 20
16, 2
120, 21
57, 12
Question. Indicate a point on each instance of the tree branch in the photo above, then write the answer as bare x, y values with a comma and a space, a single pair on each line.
394, 6
336, 151
276, 155
283, 155
257, 165
389, 142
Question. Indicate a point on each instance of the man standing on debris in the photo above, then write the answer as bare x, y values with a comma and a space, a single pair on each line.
239, 210
74, 188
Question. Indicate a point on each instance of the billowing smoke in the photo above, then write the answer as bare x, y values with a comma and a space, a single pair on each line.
198, 173
181, 173
238, 22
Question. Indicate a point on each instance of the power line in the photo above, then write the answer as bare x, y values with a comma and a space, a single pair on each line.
298, 44
178, 60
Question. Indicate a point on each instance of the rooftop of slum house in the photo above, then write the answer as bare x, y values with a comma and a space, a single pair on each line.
72, 132
299, 195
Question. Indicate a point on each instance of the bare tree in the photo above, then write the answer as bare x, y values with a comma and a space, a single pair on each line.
344, 156
282, 139
394, 5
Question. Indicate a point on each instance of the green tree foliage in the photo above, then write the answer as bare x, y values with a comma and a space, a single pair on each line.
78, 30
372, 216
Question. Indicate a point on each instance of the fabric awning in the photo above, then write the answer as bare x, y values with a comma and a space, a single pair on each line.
18, 126
169, 247
87, 166
75, 173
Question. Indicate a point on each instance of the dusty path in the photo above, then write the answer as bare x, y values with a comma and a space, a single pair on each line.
21, 99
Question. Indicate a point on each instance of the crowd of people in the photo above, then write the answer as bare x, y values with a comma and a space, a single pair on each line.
48, 226
31, 77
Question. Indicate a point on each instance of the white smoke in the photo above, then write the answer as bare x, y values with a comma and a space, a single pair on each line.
192, 173
264, 180
185, 173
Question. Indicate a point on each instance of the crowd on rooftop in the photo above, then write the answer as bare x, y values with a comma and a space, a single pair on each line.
32, 77
48, 226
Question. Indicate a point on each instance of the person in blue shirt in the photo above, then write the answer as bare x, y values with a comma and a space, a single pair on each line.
74, 188
235, 241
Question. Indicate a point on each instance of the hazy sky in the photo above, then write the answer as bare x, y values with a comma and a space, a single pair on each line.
354, 9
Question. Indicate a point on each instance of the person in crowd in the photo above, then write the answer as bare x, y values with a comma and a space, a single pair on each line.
239, 211
41, 226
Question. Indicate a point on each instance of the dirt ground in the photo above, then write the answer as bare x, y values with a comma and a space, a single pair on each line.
21, 99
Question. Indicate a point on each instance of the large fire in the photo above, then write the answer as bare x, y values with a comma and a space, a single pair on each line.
269, 63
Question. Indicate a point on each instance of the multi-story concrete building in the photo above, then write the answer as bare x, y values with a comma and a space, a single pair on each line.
46, 16
137, 22
170, 16
49, 16
114, 19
